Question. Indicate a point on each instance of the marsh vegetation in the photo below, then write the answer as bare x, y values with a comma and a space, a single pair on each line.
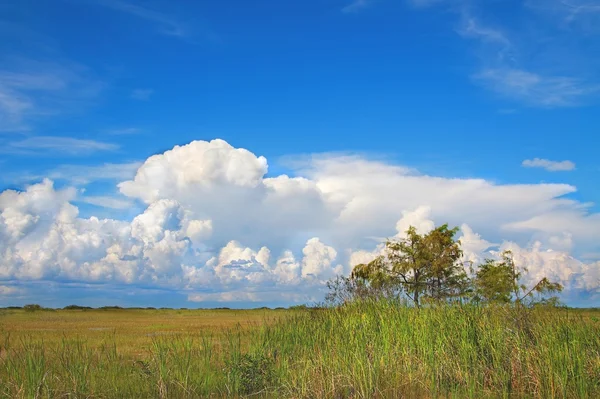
362, 350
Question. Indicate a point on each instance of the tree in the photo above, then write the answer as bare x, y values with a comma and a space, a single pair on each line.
422, 266
494, 282
428, 267
499, 281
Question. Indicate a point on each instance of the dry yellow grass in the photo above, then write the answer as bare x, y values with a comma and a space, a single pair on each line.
131, 329
118, 353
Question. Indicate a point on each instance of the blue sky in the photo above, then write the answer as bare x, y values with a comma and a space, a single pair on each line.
436, 96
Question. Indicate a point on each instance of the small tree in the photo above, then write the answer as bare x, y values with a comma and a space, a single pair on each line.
499, 281
422, 266
494, 282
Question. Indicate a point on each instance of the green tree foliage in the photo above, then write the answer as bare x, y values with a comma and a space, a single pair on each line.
500, 281
422, 266
494, 282
428, 268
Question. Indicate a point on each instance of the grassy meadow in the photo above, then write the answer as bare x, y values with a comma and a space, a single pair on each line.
362, 350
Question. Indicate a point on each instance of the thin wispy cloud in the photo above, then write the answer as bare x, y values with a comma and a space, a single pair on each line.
30, 89
534, 89
578, 11
13, 107
79, 175
165, 23
550, 166
108, 202
84, 174
142, 94
503, 63
577, 14
356, 6
425, 3
56, 145
471, 28
497, 40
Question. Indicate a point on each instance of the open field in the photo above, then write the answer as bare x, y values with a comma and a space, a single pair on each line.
132, 330
362, 350
114, 353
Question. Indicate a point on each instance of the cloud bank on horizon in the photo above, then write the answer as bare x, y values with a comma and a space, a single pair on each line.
216, 227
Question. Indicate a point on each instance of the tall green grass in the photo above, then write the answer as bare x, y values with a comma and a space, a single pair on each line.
380, 349
361, 350
174, 367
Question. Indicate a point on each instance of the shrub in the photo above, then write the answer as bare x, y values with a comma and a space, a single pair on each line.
110, 308
76, 307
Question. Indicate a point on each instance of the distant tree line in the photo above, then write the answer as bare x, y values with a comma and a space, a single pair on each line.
34, 307
428, 268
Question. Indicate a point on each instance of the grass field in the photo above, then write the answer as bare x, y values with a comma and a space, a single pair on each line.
363, 350
122, 353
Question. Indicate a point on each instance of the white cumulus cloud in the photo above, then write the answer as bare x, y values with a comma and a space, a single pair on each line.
215, 228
